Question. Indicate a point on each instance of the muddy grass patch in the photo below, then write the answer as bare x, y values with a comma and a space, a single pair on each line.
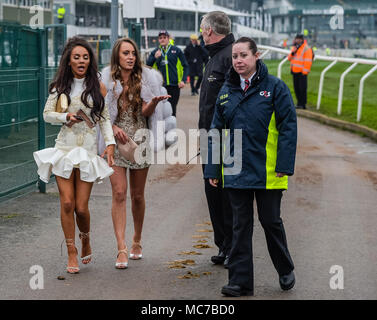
191, 275
172, 173
189, 253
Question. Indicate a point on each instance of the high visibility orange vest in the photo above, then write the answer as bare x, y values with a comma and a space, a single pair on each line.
301, 62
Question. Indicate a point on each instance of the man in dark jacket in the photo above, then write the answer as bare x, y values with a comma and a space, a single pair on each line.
168, 58
216, 33
196, 56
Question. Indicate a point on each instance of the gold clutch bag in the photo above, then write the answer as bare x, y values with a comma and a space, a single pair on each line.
62, 104
127, 150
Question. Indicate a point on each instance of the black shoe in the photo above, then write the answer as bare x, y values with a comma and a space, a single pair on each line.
287, 281
219, 259
196, 91
234, 290
226, 262
300, 107
193, 93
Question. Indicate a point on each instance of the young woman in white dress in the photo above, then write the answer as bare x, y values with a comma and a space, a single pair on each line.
74, 160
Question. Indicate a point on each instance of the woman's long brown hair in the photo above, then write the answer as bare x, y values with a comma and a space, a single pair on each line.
132, 89
64, 78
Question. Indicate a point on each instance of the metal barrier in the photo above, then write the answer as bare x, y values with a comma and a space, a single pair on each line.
31, 58
18, 128
334, 60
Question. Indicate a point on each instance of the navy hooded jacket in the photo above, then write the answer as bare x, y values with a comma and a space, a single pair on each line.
172, 64
266, 115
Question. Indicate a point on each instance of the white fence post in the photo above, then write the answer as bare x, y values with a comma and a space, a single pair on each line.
341, 86
263, 54
321, 82
361, 89
334, 60
280, 66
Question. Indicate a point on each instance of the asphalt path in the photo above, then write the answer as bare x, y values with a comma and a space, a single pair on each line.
329, 212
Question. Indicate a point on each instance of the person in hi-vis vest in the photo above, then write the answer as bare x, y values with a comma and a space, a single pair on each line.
171, 62
301, 58
61, 13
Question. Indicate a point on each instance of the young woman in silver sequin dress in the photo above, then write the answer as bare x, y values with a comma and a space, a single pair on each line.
132, 103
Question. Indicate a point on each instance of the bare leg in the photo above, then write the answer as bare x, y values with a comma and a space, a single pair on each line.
118, 211
138, 179
82, 195
67, 206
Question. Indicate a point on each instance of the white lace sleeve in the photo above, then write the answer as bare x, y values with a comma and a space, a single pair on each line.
111, 100
106, 127
49, 113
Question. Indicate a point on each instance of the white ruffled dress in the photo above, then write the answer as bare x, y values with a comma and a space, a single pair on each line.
75, 147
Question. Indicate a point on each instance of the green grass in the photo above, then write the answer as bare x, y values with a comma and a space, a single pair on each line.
329, 100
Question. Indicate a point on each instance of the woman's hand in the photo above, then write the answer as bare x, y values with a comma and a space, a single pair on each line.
157, 99
71, 117
280, 175
109, 152
120, 135
148, 108
213, 182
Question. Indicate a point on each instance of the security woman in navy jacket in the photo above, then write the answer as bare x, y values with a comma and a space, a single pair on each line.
256, 114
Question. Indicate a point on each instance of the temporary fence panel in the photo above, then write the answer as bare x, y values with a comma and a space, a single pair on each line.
18, 128
24, 77
8, 45
102, 50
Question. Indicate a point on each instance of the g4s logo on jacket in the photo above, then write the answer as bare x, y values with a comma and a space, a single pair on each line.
265, 93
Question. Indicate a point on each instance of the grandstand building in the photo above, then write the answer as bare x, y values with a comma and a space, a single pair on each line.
19, 10
178, 16
331, 23
91, 18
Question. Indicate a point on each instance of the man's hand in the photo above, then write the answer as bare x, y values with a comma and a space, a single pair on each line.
294, 48
280, 175
157, 54
181, 85
213, 182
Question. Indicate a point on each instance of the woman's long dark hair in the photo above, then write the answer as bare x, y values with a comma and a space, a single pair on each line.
64, 78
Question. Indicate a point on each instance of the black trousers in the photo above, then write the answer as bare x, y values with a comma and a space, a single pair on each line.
174, 92
241, 269
300, 84
220, 213
195, 71
195, 87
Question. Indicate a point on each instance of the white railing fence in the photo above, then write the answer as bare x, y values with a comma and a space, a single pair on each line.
355, 61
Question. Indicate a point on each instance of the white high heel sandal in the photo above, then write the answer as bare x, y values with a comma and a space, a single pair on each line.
71, 270
87, 259
133, 256
122, 265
